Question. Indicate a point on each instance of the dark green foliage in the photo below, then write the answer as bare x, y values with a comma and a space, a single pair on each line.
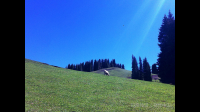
69, 67
95, 65
82, 66
72, 66
99, 64
147, 70
114, 64
111, 63
108, 63
123, 66
154, 69
141, 76
134, 68
90, 66
166, 58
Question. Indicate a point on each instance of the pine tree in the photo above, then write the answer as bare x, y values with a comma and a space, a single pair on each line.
83, 65
95, 65
99, 64
147, 70
111, 63
86, 66
91, 65
74, 67
134, 68
141, 77
149, 78
81, 68
166, 58
105, 63
154, 69
69, 67
108, 63
114, 64
123, 66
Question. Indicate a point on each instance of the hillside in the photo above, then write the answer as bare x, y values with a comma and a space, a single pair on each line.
115, 71
49, 88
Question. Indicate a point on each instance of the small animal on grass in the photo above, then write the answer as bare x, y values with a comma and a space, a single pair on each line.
106, 72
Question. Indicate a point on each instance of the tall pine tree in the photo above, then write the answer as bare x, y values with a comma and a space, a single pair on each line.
99, 64
141, 77
123, 66
95, 65
147, 70
166, 58
134, 68
91, 65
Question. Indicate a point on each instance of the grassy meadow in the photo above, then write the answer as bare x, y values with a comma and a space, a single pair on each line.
115, 71
49, 88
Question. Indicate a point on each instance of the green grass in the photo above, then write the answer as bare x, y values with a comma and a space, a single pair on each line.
48, 88
115, 71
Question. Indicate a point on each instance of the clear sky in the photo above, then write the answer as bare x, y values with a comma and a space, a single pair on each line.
62, 32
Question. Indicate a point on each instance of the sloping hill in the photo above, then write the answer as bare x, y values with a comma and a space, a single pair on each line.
115, 71
49, 88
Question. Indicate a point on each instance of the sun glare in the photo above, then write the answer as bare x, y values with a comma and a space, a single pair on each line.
127, 33
150, 22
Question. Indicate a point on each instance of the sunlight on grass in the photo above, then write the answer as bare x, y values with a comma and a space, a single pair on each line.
49, 88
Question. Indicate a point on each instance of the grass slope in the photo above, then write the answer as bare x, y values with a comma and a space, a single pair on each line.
115, 71
48, 88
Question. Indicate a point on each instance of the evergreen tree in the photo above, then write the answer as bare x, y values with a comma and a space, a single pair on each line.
147, 70
76, 67
111, 63
141, 77
92, 65
81, 68
108, 63
69, 67
72, 66
114, 64
99, 64
95, 65
134, 68
154, 69
166, 58
86, 66
117, 65
83, 65
103, 63
123, 66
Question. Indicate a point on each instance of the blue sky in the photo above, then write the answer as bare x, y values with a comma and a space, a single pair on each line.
62, 32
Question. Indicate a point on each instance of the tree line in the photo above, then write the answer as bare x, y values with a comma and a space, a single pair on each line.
143, 72
166, 58
165, 61
89, 66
